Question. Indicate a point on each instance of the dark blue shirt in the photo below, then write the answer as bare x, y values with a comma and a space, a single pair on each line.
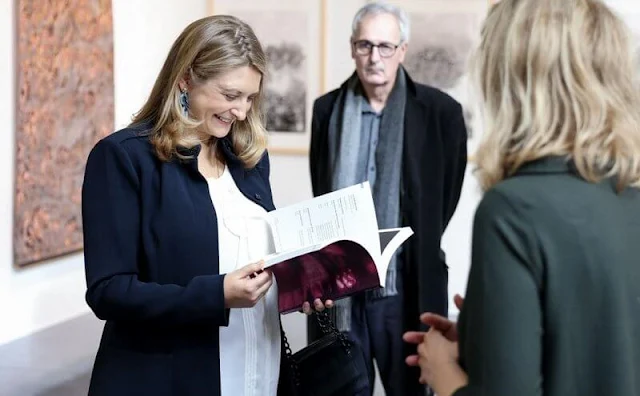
370, 131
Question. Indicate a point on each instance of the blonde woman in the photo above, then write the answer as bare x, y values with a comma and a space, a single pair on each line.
553, 298
171, 208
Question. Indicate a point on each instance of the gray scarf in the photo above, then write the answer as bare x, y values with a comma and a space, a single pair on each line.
346, 159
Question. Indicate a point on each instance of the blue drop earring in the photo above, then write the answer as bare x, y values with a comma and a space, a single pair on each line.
184, 102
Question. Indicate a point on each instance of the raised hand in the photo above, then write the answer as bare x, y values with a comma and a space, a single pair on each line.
443, 325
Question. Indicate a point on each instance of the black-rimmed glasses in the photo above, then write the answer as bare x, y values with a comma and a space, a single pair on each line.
364, 47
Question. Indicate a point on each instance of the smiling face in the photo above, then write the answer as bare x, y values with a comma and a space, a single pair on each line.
223, 100
377, 29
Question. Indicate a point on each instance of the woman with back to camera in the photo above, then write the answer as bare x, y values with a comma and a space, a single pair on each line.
170, 205
553, 298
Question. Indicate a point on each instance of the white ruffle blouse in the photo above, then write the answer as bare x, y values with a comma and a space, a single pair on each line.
250, 345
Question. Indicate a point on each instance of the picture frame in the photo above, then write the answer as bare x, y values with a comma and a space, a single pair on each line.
292, 35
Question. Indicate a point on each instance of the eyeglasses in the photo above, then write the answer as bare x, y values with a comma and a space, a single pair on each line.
364, 47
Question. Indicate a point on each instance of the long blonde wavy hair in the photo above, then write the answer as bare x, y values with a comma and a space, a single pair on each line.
206, 48
557, 77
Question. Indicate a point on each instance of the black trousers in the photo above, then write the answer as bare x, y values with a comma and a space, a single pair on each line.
377, 325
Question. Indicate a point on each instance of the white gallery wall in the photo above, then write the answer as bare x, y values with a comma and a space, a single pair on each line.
45, 294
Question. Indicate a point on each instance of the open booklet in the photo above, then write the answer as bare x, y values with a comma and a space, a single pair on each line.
330, 247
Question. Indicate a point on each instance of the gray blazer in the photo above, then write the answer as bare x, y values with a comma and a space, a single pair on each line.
553, 300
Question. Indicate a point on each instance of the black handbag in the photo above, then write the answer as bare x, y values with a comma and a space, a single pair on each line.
334, 365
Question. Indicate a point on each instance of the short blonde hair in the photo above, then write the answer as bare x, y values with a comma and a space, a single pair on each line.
205, 49
558, 77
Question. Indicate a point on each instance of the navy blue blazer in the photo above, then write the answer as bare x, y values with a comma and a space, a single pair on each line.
152, 271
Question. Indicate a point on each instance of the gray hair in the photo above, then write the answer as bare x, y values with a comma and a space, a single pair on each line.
377, 8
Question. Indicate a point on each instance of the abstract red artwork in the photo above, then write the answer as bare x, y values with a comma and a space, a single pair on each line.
65, 104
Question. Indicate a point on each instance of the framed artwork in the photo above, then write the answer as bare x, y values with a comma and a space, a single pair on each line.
291, 33
442, 37
64, 106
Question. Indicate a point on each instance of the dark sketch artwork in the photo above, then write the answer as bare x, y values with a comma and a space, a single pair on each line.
285, 90
284, 37
65, 104
439, 48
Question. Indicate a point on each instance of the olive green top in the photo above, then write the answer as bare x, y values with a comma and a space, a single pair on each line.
553, 300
